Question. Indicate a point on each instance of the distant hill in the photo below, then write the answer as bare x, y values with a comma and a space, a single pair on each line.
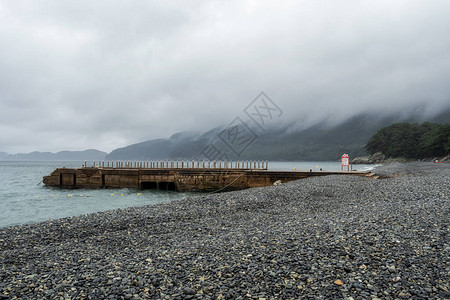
320, 142
90, 154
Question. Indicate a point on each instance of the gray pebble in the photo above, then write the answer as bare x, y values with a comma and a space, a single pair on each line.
325, 237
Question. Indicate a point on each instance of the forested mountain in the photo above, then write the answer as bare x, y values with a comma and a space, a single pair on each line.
321, 142
407, 140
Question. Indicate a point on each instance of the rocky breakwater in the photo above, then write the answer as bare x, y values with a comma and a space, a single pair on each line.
380, 158
328, 237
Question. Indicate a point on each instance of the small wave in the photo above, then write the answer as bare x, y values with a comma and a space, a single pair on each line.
368, 167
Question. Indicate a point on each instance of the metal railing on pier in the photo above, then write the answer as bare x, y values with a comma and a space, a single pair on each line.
183, 164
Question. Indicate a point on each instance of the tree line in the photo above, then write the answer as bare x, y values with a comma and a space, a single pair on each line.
416, 141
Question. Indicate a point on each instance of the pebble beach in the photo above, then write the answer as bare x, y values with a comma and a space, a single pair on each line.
330, 237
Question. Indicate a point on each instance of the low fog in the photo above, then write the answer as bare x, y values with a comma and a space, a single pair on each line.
104, 74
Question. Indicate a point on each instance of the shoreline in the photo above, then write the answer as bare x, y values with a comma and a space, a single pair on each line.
332, 236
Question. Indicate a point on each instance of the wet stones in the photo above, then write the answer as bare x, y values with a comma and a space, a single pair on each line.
322, 237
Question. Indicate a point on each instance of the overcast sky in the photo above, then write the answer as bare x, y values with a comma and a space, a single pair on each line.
104, 74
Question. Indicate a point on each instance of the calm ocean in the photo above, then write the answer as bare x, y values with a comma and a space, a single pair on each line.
24, 199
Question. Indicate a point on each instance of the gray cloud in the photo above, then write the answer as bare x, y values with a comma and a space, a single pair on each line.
103, 74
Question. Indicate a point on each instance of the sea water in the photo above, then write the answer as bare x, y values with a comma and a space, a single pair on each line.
25, 200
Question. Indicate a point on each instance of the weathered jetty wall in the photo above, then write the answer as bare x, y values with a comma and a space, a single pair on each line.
191, 177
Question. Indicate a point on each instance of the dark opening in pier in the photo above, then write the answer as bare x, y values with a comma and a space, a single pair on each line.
167, 186
164, 186
171, 186
149, 185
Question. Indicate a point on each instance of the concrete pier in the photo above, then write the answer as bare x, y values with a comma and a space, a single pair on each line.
187, 177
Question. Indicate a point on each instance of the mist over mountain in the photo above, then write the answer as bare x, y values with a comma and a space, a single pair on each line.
320, 142
323, 141
90, 154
